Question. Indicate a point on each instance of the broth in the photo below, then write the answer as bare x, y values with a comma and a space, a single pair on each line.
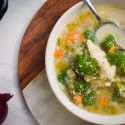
93, 80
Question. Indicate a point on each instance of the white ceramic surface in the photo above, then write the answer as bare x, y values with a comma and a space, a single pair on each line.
95, 118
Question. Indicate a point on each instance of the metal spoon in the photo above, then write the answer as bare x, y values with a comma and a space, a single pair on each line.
102, 23
99, 19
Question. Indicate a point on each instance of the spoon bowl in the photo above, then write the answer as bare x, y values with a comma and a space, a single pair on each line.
101, 22
106, 27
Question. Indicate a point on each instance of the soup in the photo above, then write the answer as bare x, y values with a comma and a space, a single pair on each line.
90, 72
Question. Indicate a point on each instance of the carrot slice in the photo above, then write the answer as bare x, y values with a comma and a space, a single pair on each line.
78, 99
73, 36
112, 49
58, 53
103, 100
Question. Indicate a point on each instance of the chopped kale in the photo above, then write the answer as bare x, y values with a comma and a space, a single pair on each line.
90, 35
116, 96
108, 42
89, 99
85, 65
86, 90
116, 58
62, 76
122, 69
83, 87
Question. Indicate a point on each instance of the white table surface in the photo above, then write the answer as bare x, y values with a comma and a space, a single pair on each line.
12, 28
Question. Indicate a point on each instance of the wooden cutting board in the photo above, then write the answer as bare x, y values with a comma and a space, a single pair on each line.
32, 49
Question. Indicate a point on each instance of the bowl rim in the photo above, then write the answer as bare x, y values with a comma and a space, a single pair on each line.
51, 75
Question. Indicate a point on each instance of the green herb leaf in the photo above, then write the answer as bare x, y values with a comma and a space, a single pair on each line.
108, 42
85, 65
89, 99
122, 68
116, 58
83, 87
86, 90
62, 76
90, 35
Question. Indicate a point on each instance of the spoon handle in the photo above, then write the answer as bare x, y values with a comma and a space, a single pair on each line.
90, 6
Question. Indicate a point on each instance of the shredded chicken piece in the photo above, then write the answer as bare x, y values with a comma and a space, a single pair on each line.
107, 71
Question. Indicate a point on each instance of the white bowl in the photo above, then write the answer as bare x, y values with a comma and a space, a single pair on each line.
81, 113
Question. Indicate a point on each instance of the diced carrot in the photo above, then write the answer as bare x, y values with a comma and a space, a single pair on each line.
58, 53
78, 99
112, 49
103, 100
73, 36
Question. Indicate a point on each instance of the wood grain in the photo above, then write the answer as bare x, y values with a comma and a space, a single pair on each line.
32, 49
